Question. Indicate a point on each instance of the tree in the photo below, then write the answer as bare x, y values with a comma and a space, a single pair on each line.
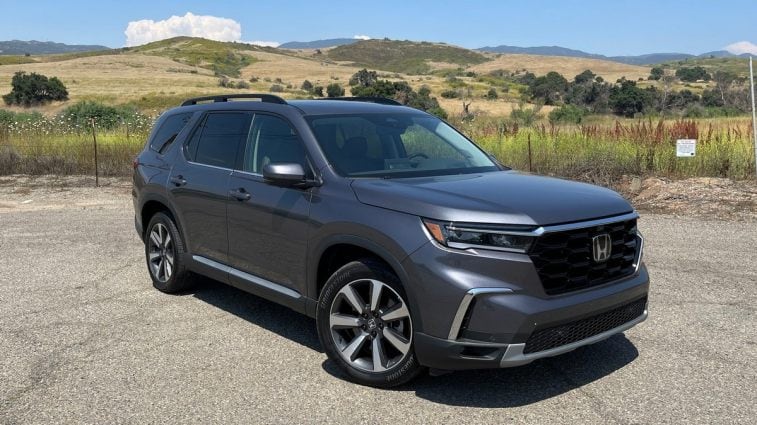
584, 77
627, 99
656, 74
334, 90
34, 89
548, 88
363, 78
307, 86
692, 74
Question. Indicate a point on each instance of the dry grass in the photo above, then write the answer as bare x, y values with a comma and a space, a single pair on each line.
567, 66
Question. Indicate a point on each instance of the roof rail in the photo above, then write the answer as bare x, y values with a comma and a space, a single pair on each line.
370, 99
268, 98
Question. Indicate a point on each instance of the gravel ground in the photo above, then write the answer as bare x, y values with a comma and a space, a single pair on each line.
84, 338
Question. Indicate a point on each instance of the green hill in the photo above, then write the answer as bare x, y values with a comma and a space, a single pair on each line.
403, 56
224, 58
738, 66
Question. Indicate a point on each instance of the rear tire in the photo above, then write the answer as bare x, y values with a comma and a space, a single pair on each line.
365, 326
164, 253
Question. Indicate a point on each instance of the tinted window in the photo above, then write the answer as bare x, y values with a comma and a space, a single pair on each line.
219, 139
272, 141
396, 145
168, 131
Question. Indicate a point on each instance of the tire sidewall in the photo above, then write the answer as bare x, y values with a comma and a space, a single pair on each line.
401, 373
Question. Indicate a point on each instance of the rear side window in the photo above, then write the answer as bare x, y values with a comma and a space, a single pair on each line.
168, 131
219, 138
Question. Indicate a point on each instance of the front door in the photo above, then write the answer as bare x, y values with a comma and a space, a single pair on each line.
268, 224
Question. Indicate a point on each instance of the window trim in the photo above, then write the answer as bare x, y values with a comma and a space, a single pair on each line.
167, 144
200, 125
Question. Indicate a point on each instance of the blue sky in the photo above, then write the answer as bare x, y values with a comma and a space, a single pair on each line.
606, 27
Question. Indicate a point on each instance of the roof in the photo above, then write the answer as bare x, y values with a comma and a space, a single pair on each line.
327, 107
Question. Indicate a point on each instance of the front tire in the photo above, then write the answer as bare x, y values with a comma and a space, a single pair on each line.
365, 326
164, 252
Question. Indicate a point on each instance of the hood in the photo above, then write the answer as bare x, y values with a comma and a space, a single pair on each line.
497, 197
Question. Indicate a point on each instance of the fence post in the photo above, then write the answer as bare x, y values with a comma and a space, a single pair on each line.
530, 165
94, 141
754, 115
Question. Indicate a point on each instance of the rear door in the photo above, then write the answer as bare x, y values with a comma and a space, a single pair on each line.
200, 179
268, 228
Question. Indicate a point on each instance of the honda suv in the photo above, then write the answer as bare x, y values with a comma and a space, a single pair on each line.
411, 247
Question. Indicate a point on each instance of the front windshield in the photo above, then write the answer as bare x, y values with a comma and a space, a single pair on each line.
396, 145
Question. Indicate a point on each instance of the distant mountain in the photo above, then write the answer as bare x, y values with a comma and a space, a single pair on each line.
648, 59
318, 44
33, 47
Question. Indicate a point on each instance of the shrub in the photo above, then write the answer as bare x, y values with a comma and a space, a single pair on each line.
254, 79
450, 94
276, 88
242, 85
492, 94
223, 82
34, 89
657, 73
525, 117
334, 90
105, 116
692, 74
567, 114
318, 91
307, 86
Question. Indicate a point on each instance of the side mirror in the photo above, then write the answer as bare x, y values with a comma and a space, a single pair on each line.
285, 174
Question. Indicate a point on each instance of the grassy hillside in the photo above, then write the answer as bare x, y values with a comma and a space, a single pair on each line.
406, 57
222, 58
569, 67
734, 65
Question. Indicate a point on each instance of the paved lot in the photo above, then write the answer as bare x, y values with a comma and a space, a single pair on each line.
84, 338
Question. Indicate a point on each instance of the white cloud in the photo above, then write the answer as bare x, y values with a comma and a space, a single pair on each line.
210, 27
264, 43
362, 37
742, 47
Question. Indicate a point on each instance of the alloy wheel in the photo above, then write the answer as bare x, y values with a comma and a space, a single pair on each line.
160, 254
370, 325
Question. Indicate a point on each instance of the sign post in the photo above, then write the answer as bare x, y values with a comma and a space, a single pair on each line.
754, 115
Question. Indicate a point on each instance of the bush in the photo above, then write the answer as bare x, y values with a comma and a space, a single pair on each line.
242, 85
567, 114
318, 91
105, 116
692, 74
34, 89
307, 86
525, 117
492, 94
334, 90
450, 94
254, 79
276, 88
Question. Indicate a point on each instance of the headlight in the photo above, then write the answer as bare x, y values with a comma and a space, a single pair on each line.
467, 236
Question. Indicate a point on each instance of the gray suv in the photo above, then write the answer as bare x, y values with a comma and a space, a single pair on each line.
410, 246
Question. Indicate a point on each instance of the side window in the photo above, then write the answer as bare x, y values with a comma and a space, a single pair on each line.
272, 141
168, 131
217, 141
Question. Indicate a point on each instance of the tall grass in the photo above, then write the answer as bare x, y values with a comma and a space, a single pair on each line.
604, 152
600, 151
39, 145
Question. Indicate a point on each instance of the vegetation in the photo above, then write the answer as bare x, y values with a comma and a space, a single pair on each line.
34, 89
334, 90
692, 74
367, 84
223, 58
403, 56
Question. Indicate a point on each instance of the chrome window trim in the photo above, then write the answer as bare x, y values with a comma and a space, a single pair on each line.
465, 303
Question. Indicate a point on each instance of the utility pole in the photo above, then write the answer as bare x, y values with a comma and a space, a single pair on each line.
754, 115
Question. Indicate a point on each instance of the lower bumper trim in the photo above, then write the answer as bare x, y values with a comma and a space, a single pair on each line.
514, 355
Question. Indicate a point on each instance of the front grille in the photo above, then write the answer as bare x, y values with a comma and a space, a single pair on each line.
565, 263
545, 339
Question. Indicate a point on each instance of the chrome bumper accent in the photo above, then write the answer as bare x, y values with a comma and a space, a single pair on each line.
514, 354
454, 330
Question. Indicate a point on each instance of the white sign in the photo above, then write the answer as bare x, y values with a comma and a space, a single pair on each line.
686, 147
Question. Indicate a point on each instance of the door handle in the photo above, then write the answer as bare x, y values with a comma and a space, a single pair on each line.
178, 181
240, 194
